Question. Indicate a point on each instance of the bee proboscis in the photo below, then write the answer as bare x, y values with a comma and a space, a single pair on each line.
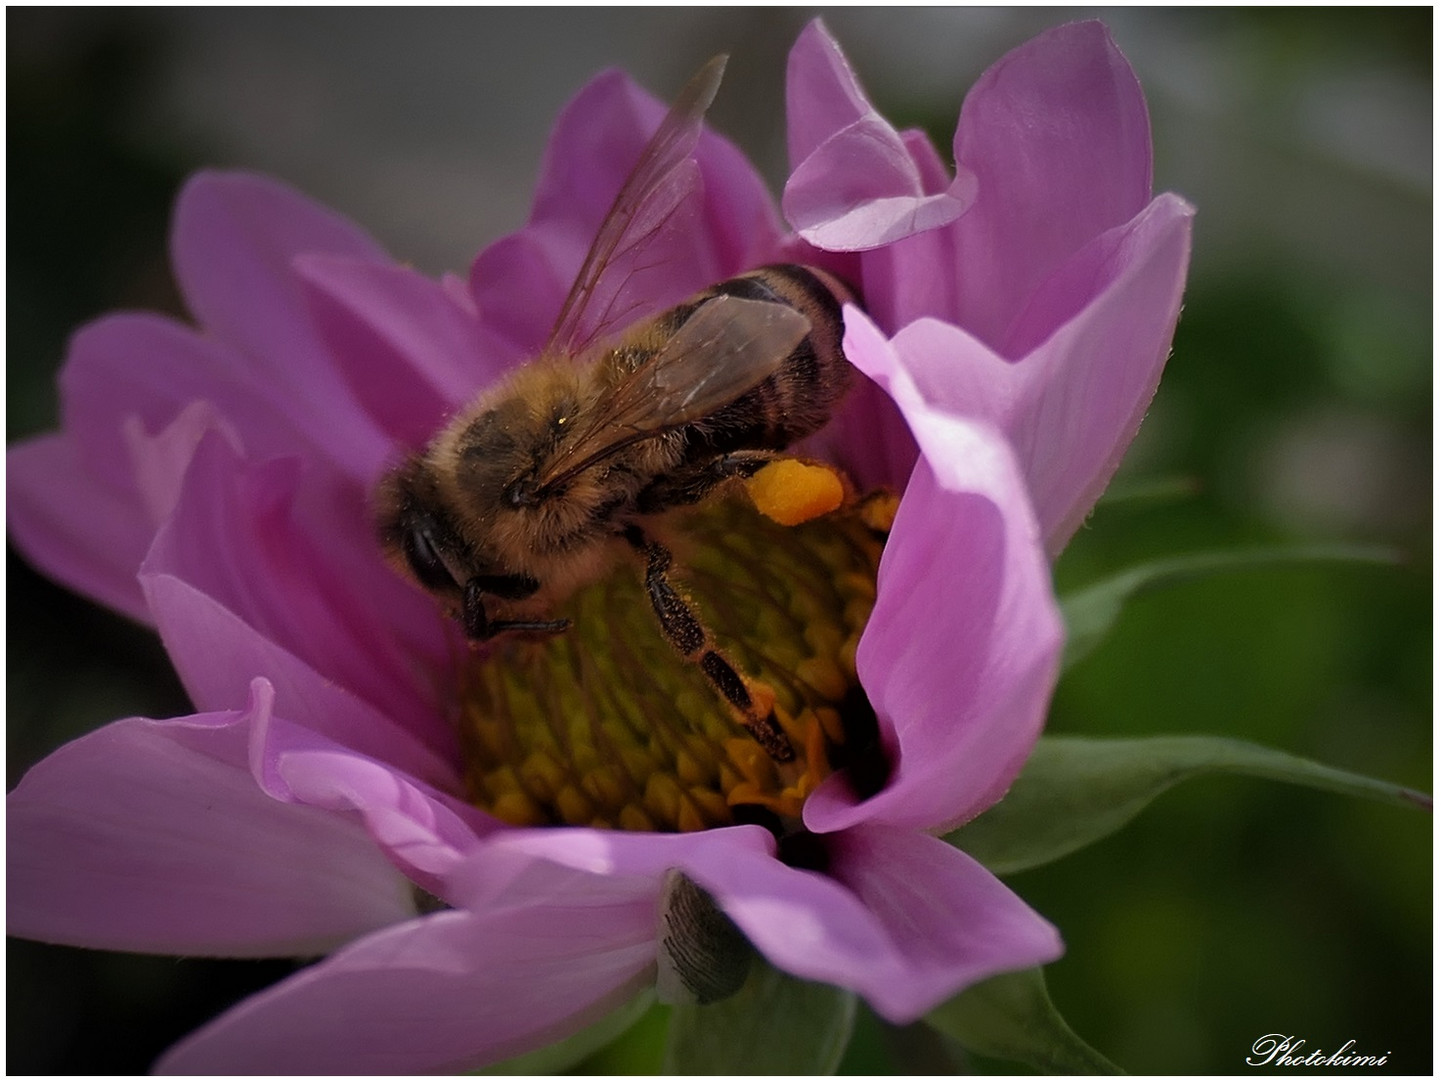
537, 487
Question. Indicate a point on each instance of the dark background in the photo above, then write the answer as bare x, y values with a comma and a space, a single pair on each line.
1299, 398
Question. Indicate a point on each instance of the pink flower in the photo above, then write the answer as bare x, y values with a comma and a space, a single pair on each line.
318, 792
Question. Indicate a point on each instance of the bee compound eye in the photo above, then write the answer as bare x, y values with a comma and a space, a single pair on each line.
425, 560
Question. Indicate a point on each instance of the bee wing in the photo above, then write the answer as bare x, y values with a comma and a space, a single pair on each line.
728, 346
655, 187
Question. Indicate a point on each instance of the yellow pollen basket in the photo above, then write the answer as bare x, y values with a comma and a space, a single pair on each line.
608, 725
791, 492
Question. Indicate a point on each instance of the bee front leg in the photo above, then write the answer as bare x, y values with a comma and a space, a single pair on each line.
688, 634
479, 626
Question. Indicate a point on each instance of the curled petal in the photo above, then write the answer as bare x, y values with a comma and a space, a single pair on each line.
1087, 386
605, 853
856, 183
961, 704
860, 190
897, 918
216, 653
823, 95
949, 920
424, 831
151, 836
1071, 405
451, 992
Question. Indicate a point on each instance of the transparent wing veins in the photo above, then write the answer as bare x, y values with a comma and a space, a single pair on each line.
728, 346
639, 211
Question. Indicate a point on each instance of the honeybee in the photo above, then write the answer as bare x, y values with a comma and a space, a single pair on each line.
540, 485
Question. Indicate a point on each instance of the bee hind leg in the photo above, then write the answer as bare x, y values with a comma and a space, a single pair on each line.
688, 634
693, 484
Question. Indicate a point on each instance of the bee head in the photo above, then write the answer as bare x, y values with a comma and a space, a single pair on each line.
523, 491
415, 530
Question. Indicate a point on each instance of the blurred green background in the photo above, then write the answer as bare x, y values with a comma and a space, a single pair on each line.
1298, 398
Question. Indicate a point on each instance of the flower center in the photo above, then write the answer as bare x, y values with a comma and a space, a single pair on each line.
609, 725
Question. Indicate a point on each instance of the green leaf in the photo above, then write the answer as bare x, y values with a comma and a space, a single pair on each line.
1074, 791
1011, 1017
1090, 613
559, 1056
774, 1024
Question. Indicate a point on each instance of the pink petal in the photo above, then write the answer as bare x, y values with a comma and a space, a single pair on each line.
251, 539
81, 529
233, 245
723, 225
519, 283
1072, 405
860, 191
823, 94
216, 655
158, 462
77, 507
950, 920
932, 363
1057, 134
148, 367
1088, 386
905, 931
933, 173
808, 924
804, 922
594, 145
855, 184
410, 353
424, 831
915, 273
151, 836
960, 705
911, 279
604, 853
449, 992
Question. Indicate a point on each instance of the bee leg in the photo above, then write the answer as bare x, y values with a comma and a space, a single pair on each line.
694, 484
686, 632
544, 626
481, 627
506, 586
